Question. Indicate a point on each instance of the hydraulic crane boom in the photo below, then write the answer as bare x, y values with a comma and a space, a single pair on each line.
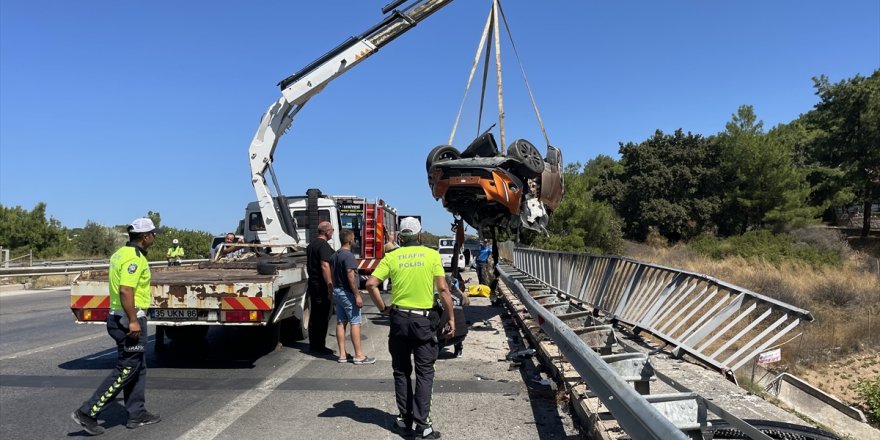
297, 89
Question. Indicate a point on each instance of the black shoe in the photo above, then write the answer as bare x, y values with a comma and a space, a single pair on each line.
145, 419
429, 433
89, 424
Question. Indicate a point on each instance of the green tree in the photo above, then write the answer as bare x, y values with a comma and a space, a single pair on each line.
95, 240
763, 186
581, 223
196, 244
827, 185
848, 116
669, 182
23, 230
155, 217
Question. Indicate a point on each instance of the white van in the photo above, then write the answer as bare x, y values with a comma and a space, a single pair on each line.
446, 256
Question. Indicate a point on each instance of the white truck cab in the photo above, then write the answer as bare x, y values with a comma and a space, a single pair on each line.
254, 228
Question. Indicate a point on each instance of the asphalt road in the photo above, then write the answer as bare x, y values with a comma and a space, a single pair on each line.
228, 388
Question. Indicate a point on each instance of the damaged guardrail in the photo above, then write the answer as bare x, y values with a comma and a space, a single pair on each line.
634, 413
720, 324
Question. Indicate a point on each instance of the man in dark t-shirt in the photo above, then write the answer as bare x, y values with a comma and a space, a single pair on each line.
318, 254
348, 299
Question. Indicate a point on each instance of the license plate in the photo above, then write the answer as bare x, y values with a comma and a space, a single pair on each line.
181, 314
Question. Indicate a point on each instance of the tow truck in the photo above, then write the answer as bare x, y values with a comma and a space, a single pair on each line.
267, 291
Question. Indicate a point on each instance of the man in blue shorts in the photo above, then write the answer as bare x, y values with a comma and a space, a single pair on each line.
348, 299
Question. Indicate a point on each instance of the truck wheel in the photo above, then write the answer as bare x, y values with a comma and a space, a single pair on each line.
307, 314
271, 265
291, 330
531, 163
441, 153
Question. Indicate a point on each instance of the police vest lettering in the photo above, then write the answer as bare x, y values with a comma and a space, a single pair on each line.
407, 264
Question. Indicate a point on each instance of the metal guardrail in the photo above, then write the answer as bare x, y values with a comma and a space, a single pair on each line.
637, 417
560, 317
30, 271
718, 323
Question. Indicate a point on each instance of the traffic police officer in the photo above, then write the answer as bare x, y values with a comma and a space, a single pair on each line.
414, 271
127, 325
175, 253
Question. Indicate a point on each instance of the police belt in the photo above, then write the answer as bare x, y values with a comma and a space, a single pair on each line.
420, 312
140, 313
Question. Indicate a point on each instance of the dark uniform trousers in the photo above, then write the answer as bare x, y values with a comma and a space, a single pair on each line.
319, 315
130, 375
415, 336
481, 271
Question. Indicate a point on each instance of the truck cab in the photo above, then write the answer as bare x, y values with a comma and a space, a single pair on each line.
254, 228
374, 224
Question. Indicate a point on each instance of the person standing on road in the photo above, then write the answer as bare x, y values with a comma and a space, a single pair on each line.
415, 271
320, 288
482, 261
127, 324
348, 299
175, 253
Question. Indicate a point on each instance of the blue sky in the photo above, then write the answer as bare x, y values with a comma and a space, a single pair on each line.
109, 109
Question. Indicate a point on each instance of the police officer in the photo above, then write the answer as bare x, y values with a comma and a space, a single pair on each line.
414, 271
175, 253
127, 325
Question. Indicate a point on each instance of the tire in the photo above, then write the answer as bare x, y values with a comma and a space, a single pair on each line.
777, 430
554, 156
291, 330
306, 315
531, 163
271, 265
312, 213
441, 153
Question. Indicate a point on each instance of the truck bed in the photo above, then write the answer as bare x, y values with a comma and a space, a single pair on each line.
205, 273
211, 293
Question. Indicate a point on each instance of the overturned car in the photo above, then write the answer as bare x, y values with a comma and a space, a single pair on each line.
487, 189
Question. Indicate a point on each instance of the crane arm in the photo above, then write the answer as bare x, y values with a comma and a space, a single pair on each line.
297, 89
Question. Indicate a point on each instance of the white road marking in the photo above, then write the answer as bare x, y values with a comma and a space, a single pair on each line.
51, 347
224, 417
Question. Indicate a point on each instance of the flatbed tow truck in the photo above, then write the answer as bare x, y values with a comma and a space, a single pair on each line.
269, 290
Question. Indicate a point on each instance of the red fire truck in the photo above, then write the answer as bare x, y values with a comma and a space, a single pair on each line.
374, 224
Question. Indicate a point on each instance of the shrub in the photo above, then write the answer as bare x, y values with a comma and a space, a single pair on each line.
655, 239
824, 239
869, 391
834, 293
764, 245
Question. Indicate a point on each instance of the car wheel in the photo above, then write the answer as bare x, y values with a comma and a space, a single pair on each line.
532, 165
441, 153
